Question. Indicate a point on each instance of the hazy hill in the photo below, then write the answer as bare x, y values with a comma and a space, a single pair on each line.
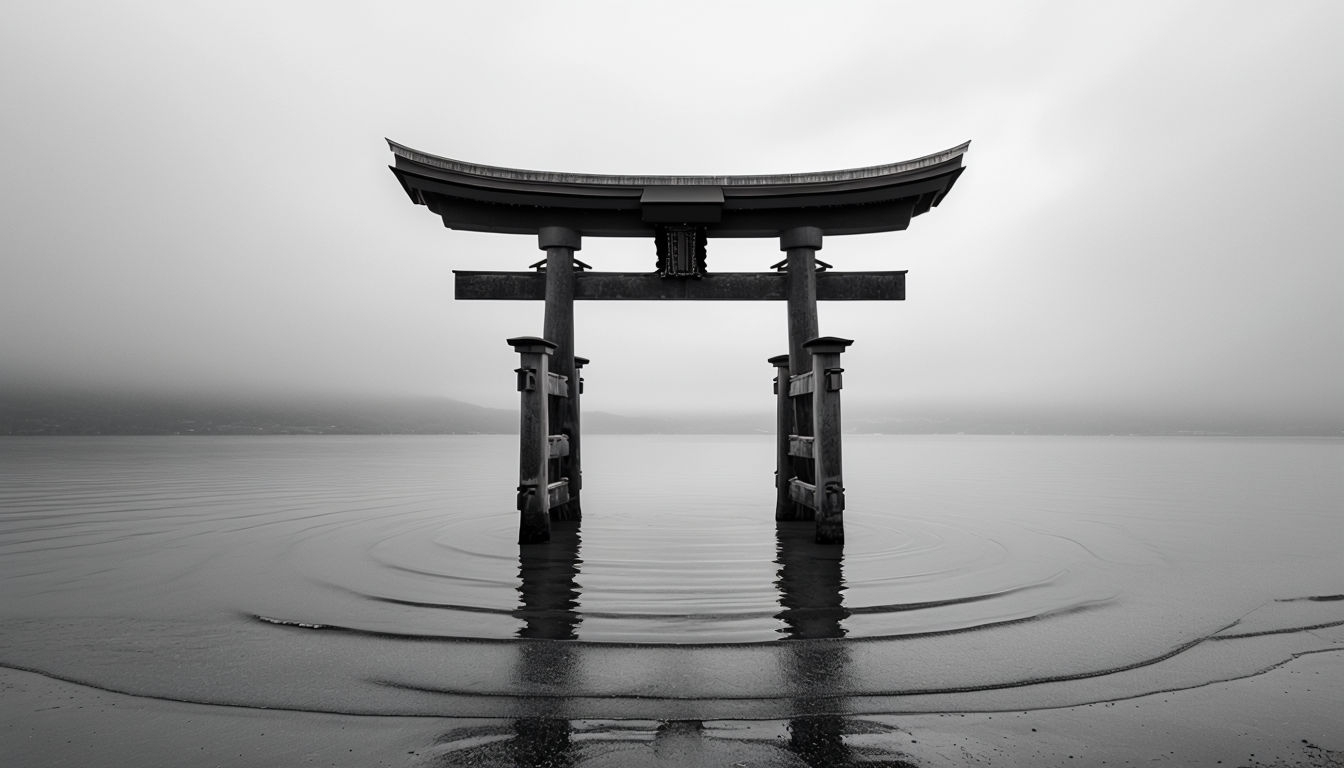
84, 413
91, 413
32, 412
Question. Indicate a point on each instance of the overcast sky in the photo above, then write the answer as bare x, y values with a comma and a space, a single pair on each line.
196, 195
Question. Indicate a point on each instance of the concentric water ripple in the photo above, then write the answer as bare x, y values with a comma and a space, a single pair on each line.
381, 575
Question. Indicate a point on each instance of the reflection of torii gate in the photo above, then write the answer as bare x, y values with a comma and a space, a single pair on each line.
679, 213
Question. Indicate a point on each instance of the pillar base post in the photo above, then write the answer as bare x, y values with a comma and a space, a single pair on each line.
827, 381
785, 507
534, 520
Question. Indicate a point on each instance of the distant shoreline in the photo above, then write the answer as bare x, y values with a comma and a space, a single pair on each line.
32, 413
1175, 435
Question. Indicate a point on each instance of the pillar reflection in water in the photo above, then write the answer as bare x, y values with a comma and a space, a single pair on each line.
811, 582
548, 591
548, 587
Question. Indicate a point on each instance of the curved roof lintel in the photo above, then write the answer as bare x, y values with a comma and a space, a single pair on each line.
487, 198
560, 177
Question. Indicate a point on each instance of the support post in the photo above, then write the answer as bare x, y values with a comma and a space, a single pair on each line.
785, 507
560, 244
801, 245
575, 463
534, 521
827, 382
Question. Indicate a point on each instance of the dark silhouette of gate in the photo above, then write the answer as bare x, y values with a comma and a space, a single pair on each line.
680, 214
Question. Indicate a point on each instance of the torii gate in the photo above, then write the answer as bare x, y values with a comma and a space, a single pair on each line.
680, 213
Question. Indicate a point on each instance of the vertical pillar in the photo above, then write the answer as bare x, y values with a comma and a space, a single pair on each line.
534, 522
575, 463
785, 507
801, 245
827, 381
560, 243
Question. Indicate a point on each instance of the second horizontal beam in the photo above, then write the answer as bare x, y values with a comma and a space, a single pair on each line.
715, 286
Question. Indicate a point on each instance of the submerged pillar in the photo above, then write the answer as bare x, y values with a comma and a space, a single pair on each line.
534, 520
560, 243
575, 461
785, 507
801, 245
830, 488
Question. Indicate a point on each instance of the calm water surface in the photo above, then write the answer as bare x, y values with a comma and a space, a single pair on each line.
381, 575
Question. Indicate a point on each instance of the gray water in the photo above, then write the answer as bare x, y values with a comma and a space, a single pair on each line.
381, 575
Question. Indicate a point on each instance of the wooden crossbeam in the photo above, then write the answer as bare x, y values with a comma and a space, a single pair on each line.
802, 384
715, 286
801, 446
557, 385
557, 493
803, 493
557, 446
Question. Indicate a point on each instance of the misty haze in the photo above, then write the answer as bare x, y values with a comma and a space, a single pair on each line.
289, 474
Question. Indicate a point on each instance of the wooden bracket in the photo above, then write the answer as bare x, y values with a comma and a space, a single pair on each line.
527, 379
525, 494
834, 379
579, 266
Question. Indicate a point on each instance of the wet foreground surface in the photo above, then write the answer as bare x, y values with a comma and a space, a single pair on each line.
1285, 717
988, 585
